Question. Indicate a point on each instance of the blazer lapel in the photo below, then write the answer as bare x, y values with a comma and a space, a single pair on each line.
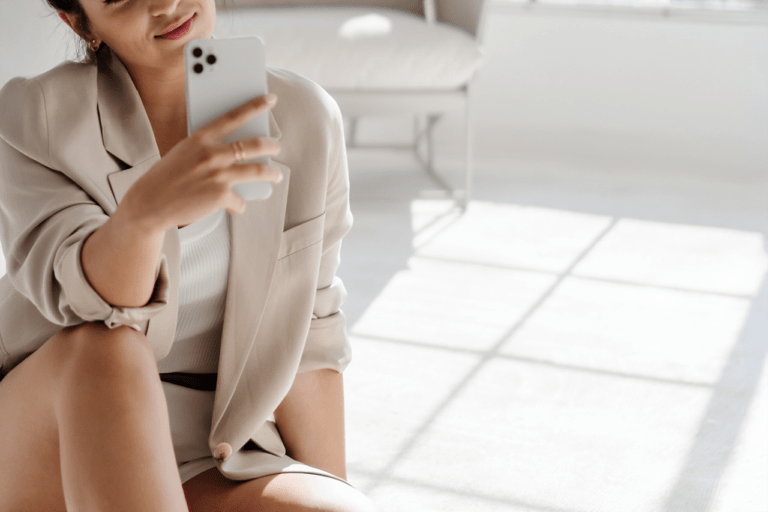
125, 127
256, 236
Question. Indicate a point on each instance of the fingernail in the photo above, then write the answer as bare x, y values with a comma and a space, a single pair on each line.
271, 99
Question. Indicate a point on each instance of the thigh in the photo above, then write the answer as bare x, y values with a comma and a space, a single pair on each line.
29, 437
30, 472
285, 492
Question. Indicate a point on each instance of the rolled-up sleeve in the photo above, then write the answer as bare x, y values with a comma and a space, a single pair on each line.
88, 305
45, 219
327, 345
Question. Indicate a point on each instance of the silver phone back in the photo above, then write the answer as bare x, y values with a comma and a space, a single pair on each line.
228, 73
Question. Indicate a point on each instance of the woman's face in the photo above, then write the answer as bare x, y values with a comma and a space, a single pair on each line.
131, 28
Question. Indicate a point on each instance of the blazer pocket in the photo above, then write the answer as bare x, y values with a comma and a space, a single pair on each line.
301, 236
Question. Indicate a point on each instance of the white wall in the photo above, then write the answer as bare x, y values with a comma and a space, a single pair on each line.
654, 89
32, 40
657, 93
652, 92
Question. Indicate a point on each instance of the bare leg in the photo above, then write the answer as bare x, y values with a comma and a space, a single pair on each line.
210, 491
95, 428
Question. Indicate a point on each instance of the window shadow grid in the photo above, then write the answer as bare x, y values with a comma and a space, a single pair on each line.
385, 475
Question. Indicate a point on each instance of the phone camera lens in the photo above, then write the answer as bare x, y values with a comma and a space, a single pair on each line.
197, 52
211, 59
198, 68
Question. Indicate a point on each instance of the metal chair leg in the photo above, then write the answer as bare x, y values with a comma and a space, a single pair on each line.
464, 201
432, 119
416, 134
352, 132
428, 164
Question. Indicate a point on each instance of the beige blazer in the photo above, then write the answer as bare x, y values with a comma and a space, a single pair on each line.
72, 142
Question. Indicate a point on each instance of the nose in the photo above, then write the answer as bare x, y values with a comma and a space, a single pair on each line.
163, 7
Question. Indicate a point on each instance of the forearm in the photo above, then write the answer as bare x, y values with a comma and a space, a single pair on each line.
120, 259
311, 421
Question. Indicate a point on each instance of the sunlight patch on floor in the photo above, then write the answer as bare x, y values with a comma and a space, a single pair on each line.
523, 237
634, 330
708, 259
540, 359
452, 304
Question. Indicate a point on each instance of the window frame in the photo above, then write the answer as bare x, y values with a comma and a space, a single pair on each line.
750, 12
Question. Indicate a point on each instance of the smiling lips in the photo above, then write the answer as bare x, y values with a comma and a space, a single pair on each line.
179, 31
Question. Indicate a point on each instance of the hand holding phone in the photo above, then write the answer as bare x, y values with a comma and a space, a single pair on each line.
195, 178
224, 161
222, 74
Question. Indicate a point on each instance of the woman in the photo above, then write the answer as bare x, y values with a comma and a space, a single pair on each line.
122, 265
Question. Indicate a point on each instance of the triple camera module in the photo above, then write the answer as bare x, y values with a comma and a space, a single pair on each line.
210, 59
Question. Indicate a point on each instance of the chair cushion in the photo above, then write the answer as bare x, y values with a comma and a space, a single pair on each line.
353, 48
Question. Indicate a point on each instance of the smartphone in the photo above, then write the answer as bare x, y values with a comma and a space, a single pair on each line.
222, 74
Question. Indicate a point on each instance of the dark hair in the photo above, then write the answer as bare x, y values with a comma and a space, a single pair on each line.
85, 54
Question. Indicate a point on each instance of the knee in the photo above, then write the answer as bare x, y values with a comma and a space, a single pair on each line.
94, 350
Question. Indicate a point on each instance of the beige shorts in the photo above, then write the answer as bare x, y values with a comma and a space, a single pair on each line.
190, 412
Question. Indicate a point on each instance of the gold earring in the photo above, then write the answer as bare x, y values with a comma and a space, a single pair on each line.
93, 46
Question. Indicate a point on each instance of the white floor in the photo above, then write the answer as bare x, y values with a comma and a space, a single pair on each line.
586, 337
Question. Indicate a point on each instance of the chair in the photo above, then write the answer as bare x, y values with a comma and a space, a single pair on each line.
415, 57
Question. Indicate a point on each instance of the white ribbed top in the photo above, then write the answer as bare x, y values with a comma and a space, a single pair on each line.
202, 293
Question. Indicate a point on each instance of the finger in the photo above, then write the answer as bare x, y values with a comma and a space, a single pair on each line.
242, 150
236, 203
224, 155
237, 117
240, 173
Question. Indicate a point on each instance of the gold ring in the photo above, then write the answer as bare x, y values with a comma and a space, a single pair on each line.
239, 151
